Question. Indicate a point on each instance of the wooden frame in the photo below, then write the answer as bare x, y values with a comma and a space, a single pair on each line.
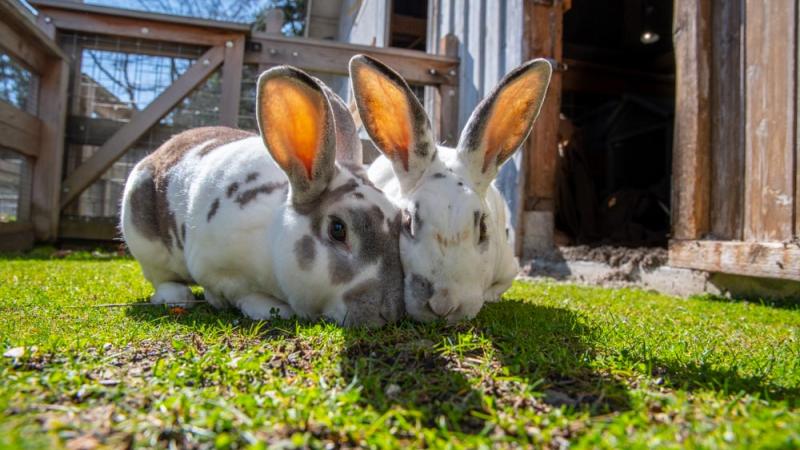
127, 135
39, 136
764, 259
317, 55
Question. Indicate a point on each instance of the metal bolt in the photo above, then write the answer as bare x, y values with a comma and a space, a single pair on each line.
452, 72
206, 62
145, 30
272, 51
451, 93
66, 189
432, 71
47, 19
294, 54
229, 44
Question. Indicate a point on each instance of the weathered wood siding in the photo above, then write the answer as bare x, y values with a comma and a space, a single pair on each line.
738, 193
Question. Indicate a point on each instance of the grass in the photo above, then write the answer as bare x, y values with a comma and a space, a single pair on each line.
552, 365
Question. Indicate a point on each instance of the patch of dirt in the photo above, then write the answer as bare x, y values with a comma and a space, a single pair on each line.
645, 257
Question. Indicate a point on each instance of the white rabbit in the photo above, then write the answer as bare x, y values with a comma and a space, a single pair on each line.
286, 223
456, 243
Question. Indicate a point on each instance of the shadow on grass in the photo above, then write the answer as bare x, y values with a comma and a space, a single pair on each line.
443, 372
792, 304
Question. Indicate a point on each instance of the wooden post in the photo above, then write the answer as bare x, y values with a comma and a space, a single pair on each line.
543, 39
690, 166
232, 82
447, 103
770, 29
116, 146
45, 209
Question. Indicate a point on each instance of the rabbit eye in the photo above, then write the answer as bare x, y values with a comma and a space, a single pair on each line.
337, 230
482, 230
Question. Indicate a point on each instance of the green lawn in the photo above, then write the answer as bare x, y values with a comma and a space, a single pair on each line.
552, 365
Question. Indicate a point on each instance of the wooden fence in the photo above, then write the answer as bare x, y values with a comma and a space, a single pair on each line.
33, 135
219, 54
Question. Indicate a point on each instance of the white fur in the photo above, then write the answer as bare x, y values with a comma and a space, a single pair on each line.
243, 256
463, 276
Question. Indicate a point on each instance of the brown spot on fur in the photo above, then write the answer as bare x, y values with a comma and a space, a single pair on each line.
232, 189
252, 176
213, 211
267, 188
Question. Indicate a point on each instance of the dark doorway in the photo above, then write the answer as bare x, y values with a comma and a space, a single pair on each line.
409, 24
615, 153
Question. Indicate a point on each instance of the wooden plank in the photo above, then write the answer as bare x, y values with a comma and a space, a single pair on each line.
690, 162
23, 23
47, 170
544, 31
448, 98
19, 47
759, 259
770, 108
88, 10
15, 236
318, 55
19, 141
232, 82
727, 121
19, 119
112, 22
96, 131
115, 147
89, 229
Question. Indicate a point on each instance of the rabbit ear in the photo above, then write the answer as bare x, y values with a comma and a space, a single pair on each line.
503, 120
297, 126
348, 144
394, 118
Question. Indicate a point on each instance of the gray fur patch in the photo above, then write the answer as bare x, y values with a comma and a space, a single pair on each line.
252, 176
421, 288
439, 175
305, 251
213, 210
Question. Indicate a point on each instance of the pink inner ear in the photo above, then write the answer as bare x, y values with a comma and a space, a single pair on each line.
385, 111
510, 119
294, 118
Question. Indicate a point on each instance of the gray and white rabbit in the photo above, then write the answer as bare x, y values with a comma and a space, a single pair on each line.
284, 222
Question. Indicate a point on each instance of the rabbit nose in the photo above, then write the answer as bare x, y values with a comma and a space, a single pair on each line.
441, 305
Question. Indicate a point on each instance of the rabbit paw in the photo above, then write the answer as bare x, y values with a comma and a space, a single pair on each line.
173, 294
263, 307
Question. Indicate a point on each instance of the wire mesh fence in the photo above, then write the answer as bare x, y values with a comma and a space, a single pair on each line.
115, 79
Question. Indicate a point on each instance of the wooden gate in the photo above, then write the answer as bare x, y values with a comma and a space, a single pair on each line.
219, 61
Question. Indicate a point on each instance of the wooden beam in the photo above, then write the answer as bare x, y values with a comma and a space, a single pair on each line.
771, 260
727, 121
317, 55
111, 21
20, 130
52, 108
26, 41
89, 229
115, 147
448, 98
690, 167
544, 29
231, 82
770, 85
